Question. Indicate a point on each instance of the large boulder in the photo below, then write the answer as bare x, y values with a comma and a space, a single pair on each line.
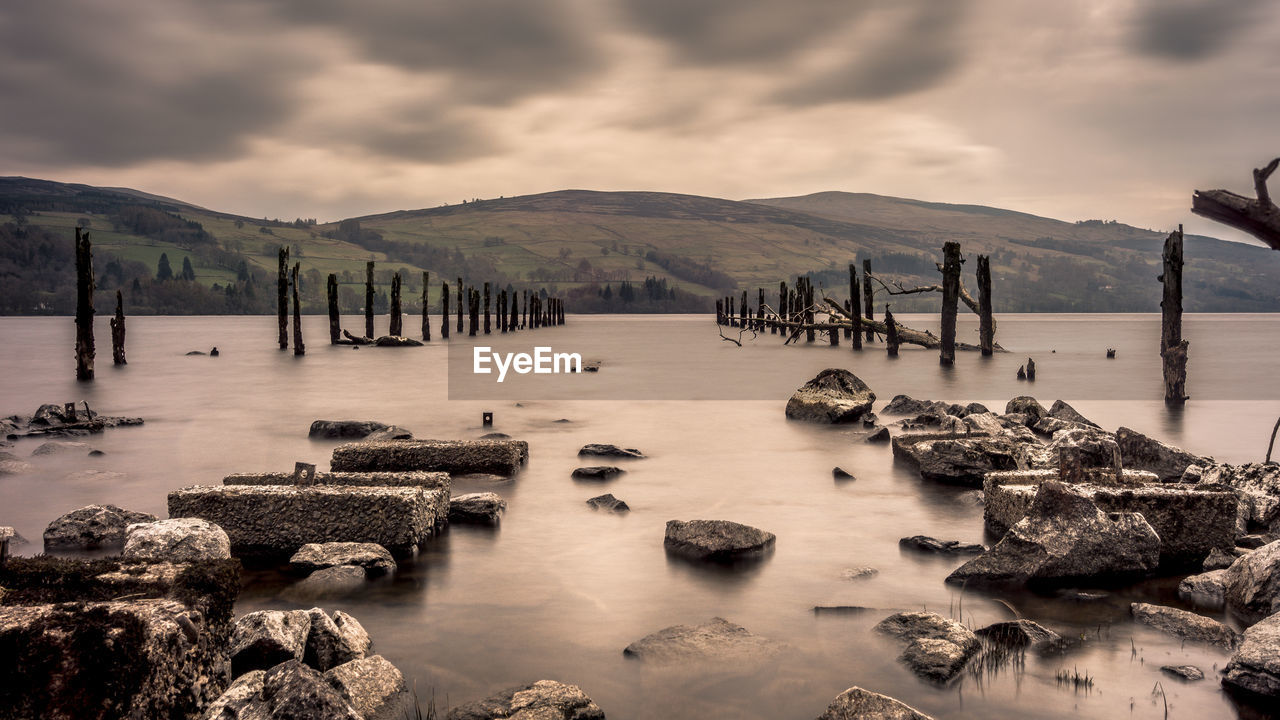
176, 540
332, 641
1258, 487
242, 700
1207, 590
1145, 453
543, 700
1255, 666
834, 396
716, 640
958, 460
1066, 537
294, 691
1077, 450
335, 429
92, 527
858, 704
937, 648
266, 638
1253, 584
375, 559
717, 540
1027, 406
906, 405
1183, 624
373, 686
482, 508
1062, 411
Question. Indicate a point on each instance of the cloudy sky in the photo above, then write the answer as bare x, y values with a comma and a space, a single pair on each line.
330, 108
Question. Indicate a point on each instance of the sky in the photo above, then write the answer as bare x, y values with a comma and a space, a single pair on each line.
1074, 109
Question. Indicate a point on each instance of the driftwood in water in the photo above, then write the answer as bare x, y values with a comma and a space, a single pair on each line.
117, 332
298, 347
986, 320
1173, 349
397, 322
368, 299
1257, 216
906, 335
868, 297
426, 304
890, 332
487, 326
444, 311
84, 306
353, 340
950, 301
282, 297
335, 320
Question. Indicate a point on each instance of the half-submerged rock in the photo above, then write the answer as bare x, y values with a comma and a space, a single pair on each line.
1066, 537
266, 638
609, 503
335, 429
1253, 584
1183, 624
544, 699
501, 457
176, 540
926, 544
716, 640
716, 540
1206, 590
597, 472
482, 508
1018, 634
606, 450
1145, 453
1255, 666
858, 704
937, 648
92, 527
373, 558
834, 396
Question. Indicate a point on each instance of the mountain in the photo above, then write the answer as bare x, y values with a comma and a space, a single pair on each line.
604, 251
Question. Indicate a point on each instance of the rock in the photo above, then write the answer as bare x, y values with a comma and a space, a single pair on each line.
924, 543
49, 414
1018, 634
1217, 560
102, 478
397, 341
543, 700
597, 472
605, 450
334, 429
1064, 537
294, 691
1251, 542
974, 497
858, 704
497, 436
608, 502
263, 639
840, 473
1258, 487
905, 405
1183, 624
958, 460
58, 447
880, 435
1253, 583
1028, 406
1144, 453
334, 582
242, 701
937, 648
716, 640
92, 527
858, 573
716, 540
833, 396
458, 457
1075, 451
1189, 673
191, 353
482, 508
1255, 666
1206, 590
1193, 474
374, 558
10, 465
334, 641
395, 478
373, 686
176, 540
393, 432
983, 424
1063, 411
870, 420
1050, 426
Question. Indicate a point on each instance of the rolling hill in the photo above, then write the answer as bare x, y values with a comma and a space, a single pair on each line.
671, 252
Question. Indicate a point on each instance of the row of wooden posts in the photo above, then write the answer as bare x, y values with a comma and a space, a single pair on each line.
797, 310
512, 311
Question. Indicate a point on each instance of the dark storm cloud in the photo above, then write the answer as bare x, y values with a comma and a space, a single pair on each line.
1190, 29
915, 53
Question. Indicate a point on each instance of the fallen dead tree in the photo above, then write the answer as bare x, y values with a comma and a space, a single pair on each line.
1257, 216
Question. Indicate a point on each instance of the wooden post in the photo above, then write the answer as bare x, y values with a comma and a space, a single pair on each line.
855, 317
335, 322
986, 321
514, 317
444, 311
890, 333
84, 306
502, 311
782, 305
732, 313
720, 312
868, 296
282, 297
368, 299
397, 327
474, 307
1173, 349
426, 315
461, 308
808, 309
117, 332
298, 347
487, 326
950, 301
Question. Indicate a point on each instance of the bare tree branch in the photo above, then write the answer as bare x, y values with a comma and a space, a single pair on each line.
1259, 217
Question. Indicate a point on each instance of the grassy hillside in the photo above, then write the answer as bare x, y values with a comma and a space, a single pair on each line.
619, 252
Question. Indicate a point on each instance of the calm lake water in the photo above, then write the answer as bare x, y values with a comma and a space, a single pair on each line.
559, 590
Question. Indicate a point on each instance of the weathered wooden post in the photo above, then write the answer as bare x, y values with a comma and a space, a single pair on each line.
855, 317
890, 333
950, 301
732, 313
487, 325
426, 314
335, 322
368, 299
397, 325
473, 298
282, 297
444, 311
84, 306
760, 323
117, 332
1173, 349
808, 309
743, 311
782, 305
986, 321
1031, 369
514, 316
868, 297
461, 308
720, 312
502, 311
298, 347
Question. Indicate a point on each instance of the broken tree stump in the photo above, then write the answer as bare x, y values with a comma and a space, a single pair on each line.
444, 311
487, 325
298, 347
84, 306
868, 297
1031, 369
368, 299
890, 332
986, 320
513, 317
117, 332
950, 301
335, 320
282, 297
473, 306
1173, 349
426, 308
461, 307
397, 322
855, 327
